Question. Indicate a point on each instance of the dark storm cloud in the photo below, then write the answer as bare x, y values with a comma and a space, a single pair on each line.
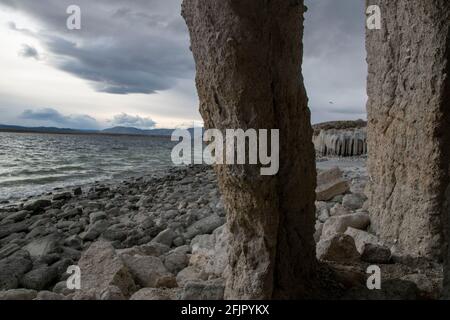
138, 46
334, 64
141, 46
50, 116
29, 52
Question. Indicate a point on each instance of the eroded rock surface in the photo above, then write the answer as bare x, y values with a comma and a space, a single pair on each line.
408, 124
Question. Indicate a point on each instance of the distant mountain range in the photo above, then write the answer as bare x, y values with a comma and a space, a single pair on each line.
115, 130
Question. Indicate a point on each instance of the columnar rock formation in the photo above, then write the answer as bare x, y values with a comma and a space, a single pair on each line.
248, 57
408, 123
342, 143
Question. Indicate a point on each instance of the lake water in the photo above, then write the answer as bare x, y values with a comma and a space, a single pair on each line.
32, 164
35, 163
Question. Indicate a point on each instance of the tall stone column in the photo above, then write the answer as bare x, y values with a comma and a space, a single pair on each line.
408, 124
248, 58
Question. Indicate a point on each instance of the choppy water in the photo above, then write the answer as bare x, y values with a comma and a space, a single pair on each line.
32, 164
35, 163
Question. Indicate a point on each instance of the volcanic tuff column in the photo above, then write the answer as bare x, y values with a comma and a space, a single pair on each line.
408, 123
248, 58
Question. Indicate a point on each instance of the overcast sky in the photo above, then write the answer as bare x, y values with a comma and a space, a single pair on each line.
130, 64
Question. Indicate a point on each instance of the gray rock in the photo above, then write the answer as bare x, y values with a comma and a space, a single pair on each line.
41, 247
324, 214
40, 278
373, 253
190, 274
97, 216
204, 226
156, 294
330, 183
354, 201
18, 294
101, 267
62, 196
115, 234
150, 249
112, 293
8, 250
11, 228
340, 248
339, 210
207, 290
13, 268
339, 224
318, 233
77, 191
165, 237
18, 216
74, 242
61, 288
49, 296
95, 230
35, 205
149, 271
178, 241
362, 237
176, 261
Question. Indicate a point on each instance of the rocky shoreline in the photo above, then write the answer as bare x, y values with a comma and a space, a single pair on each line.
163, 236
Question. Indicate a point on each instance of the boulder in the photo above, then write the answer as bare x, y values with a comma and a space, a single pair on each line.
101, 268
43, 246
36, 205
112, 293
151, 249
209, 252
77, 191
204, 290
62, 196
8, 250
61, 288
40, 278
156, 294
95, 230
373, 253
339, 224
18, 294
190, 274
318, 233
165, 237
204, 226
13, 268
354, 201
11, 228
18, 216
330, 183
149, 271
97, 216
50, 296
74, 242
176, 261
362, 237
340, 248
339, 210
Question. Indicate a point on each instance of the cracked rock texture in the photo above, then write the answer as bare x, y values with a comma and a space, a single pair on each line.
408, 126
248, 58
